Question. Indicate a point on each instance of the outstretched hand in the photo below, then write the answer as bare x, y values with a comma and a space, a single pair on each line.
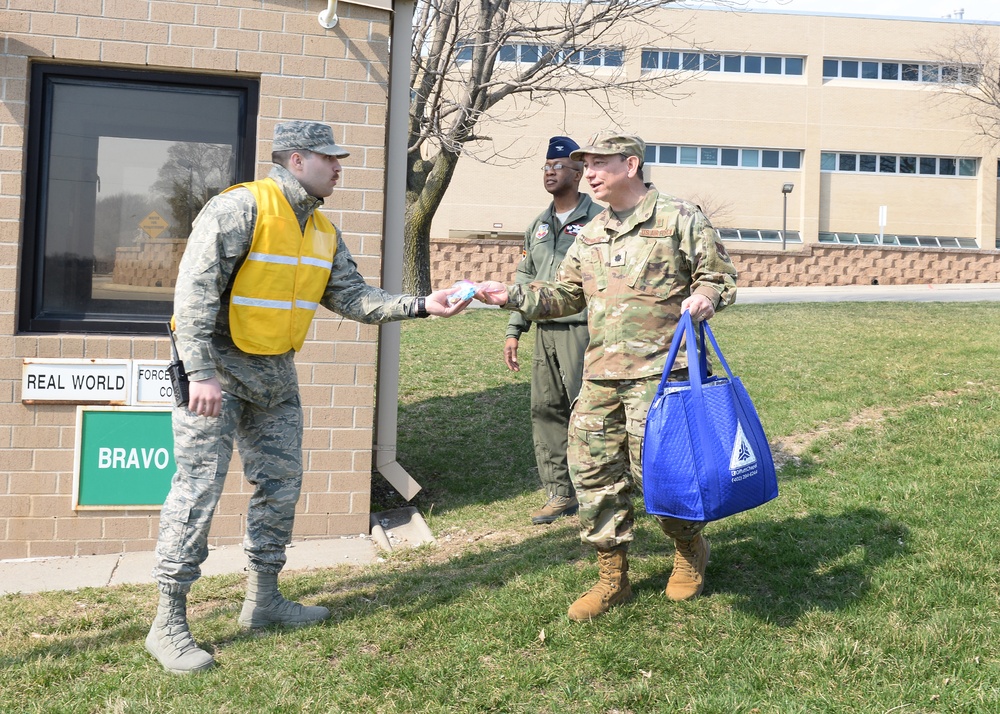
437, 302
491, 292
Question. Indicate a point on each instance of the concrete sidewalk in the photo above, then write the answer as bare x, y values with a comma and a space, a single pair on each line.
391, 530
958, 292
32, 575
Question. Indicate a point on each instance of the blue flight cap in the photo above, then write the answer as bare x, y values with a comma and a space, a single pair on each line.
560, 147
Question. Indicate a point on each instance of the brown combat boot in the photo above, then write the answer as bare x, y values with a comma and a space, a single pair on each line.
611, 589
554, 508
690, 560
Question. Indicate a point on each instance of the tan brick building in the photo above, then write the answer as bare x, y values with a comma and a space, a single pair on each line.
844, 111
118, 119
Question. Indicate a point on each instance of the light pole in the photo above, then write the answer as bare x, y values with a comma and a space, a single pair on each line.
785, 190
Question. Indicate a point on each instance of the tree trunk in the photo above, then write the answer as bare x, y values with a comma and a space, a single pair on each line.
427, 181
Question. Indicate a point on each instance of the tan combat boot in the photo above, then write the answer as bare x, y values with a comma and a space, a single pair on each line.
688, 577
170, 641
554, 508
265, 605
611, 589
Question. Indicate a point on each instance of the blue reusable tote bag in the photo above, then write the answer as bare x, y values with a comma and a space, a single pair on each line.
705, 455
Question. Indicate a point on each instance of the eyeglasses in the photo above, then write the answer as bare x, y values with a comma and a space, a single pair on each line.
554, 167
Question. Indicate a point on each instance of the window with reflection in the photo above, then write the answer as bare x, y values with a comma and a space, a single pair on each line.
120, 163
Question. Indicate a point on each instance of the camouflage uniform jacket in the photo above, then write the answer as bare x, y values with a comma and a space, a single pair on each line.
631, 277
545, 245
219, 242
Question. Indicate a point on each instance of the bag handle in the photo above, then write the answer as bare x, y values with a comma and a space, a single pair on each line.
706, 330
697, 363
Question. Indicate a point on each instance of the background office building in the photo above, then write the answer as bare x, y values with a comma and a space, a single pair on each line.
838, 127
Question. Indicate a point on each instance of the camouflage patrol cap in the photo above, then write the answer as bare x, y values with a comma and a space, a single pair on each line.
610, 143
309, 135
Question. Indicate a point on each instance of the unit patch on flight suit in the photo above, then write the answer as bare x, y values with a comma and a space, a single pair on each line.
573, 229
543, 230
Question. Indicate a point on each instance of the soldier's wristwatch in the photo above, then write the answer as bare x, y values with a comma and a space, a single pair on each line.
422, 308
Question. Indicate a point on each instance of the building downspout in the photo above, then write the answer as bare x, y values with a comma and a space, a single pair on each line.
387, 381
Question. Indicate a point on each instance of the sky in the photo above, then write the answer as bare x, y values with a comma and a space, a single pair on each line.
974, 9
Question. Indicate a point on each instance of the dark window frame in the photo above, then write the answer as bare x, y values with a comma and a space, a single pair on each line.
43, 77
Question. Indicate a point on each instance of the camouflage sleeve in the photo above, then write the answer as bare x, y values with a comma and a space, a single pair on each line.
542, 300
524, 274
349, 295
712, 272
219, 240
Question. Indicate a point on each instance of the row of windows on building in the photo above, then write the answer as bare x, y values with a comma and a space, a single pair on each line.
671, 155
791, 65
753, 235
900, 71
901, 240
726, 157
530, 54
889, 164
717, 62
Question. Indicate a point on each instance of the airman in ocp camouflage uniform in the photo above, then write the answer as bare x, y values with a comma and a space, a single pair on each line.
634, 268
258, 262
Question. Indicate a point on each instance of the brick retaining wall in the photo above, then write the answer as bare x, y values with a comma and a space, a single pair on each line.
813, 264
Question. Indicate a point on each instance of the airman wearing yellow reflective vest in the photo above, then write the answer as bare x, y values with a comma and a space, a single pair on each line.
260, 259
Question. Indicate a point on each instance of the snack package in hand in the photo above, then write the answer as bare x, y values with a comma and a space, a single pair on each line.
466, 291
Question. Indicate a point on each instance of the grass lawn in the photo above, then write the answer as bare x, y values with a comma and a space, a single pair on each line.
869, 585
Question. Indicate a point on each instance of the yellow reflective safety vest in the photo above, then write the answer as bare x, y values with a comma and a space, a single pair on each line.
279, 286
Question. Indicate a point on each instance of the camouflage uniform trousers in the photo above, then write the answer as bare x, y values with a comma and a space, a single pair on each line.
605, 459
556, 375
270, 444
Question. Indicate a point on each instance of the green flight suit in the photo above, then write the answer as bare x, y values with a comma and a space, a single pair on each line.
557, 362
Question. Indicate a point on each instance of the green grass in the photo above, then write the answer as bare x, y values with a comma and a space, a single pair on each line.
869, 585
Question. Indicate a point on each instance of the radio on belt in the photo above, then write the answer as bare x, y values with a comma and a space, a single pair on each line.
178, 377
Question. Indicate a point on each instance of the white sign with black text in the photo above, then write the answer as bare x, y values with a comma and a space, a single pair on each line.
74, 381
151, 383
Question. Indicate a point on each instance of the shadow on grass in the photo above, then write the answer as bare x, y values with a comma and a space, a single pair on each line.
778, 570
774, 570
467, 449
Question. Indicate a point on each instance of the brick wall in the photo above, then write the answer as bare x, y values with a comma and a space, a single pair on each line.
457, 259
306, 72
151, 264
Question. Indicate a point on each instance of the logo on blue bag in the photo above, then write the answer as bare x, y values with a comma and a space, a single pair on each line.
743, 461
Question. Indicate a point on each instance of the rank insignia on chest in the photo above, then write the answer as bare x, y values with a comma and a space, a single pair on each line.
618, 259
543, 230
573, 229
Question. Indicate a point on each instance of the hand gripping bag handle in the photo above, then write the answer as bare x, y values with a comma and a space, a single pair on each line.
697, 364
685, 326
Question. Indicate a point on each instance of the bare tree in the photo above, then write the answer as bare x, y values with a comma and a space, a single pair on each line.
471, 57
717, 209
192, 174
969, 68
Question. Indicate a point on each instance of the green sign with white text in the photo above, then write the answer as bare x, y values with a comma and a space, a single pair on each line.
125, 457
